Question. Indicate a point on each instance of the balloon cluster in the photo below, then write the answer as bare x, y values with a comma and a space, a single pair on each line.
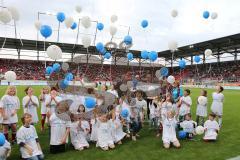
206, 15
152, 55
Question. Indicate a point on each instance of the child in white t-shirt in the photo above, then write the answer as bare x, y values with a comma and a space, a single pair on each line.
186, 103
79, 132
104, 133
188, 125
59, 132
28, 140
169, 130
211, 128
30, 104
11, 104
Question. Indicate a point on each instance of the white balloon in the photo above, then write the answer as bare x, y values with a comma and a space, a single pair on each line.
123, 87
214, 15
65, 66
113, 30
202, 100
78, 9
14, 12
171, 79
86, 22
208, 52
86, 41
172, 45
199, 130
54, 52
114, 18
5, 16
10, 76
38, 25
69, 22
174, 13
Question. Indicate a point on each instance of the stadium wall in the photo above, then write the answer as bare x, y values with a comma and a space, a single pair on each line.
43, 83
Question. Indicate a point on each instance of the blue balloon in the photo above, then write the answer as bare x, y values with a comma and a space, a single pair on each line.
107, 55
130, 56
197, 59
182, 64
74, 26
2, 139
56, 67
64, 84
175, 93
153, 55
124, 113
100, 26
164, 71
181, 92
60, 16
127, 40
182, 134
90, 102
144, 23
206, 14
99, 46
103, 51
49, 70
144, 54
46, 31
69, 76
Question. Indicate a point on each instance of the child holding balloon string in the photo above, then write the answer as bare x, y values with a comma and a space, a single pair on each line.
201, 108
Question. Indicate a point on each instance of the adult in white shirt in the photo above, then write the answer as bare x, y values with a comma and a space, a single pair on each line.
10, 104
217, 104
28, 140
30, 104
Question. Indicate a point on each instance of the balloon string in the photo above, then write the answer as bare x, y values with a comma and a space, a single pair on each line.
58, 31
5, 37
45, 53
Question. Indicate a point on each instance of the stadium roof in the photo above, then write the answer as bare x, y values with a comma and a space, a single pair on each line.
228, 44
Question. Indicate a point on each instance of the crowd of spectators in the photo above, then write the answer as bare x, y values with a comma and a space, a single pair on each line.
35, 70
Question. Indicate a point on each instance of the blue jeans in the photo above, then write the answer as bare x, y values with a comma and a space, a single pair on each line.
38, 157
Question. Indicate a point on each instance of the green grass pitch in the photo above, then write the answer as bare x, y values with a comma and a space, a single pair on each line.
148, 147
